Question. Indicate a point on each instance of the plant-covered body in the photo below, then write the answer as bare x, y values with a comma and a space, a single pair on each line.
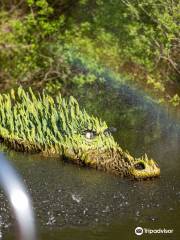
58, 127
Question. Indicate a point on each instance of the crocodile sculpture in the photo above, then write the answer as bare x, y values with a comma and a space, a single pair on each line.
41, 124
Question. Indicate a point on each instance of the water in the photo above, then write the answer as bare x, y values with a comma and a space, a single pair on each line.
78, 203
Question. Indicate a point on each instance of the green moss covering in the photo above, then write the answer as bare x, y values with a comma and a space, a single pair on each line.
39, 123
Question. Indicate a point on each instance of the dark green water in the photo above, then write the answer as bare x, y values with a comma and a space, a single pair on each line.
78, 203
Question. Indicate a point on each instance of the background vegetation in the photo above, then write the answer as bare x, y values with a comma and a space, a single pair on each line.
57, 44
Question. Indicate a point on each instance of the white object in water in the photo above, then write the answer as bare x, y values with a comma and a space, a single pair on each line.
19, 200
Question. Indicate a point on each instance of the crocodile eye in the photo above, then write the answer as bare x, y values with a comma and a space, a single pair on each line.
89, 134
109, 130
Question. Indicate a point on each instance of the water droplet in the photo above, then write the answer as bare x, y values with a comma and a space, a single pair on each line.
106, 209
85, 210
51, 220
137, 213
76, 198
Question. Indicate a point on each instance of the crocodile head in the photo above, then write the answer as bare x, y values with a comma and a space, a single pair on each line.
92, 144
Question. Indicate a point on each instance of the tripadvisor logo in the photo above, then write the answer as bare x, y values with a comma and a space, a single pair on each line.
139, 231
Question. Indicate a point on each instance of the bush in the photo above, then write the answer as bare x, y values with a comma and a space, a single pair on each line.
55, 44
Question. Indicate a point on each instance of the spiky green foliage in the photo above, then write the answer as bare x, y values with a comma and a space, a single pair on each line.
45, 123
39, 123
